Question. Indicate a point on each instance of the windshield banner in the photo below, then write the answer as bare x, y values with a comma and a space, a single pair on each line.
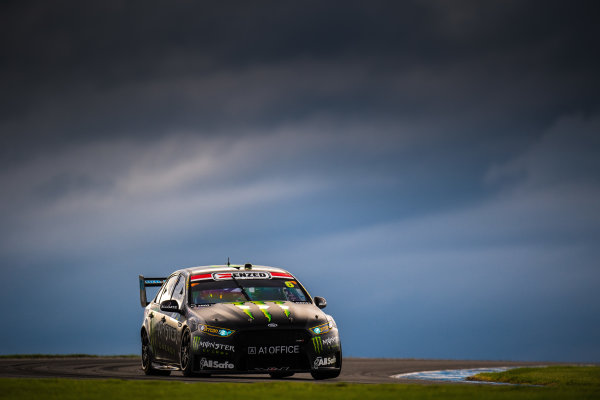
220, 276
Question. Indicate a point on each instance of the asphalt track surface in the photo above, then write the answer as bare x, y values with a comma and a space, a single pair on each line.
354, 370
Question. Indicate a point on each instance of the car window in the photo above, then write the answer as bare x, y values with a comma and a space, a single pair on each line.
229, 291
167, 289
178, 292
160, 291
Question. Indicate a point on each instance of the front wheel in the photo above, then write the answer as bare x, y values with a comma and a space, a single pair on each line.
279, 375
147, 359
318, 375
185, 354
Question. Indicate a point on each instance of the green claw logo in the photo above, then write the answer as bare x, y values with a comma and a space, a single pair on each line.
245, 309
317, 344
263, 307
284, 308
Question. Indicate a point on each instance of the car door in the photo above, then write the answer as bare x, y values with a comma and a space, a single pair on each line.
160, 329
174, 322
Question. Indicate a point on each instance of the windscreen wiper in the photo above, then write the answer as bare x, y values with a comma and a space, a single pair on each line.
241, 288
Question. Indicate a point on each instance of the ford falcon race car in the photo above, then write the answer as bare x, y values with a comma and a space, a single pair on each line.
237, 319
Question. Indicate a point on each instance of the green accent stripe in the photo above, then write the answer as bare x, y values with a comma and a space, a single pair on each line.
266, 314
264, 310
245, 310
285, 310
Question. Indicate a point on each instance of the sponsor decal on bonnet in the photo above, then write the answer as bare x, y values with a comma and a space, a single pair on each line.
246, 309
284, 308
264, 308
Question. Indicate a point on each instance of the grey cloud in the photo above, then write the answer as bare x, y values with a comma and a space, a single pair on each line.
189, 180
554, 195
566, 153
78, 72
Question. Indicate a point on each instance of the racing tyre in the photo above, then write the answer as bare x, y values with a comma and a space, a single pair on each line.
185, 353
318, 375
147, 359
329, 374
279, 375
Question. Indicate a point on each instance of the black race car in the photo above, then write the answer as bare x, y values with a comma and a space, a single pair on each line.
237, 319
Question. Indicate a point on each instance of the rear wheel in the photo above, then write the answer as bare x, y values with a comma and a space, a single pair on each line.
279, 375
147, 359
185, 353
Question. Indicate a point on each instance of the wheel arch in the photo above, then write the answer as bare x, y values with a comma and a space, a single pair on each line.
144, 330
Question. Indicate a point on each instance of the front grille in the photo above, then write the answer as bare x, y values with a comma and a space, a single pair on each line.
273, 349
272, 336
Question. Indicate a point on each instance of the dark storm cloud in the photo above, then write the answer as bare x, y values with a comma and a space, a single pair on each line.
76, 72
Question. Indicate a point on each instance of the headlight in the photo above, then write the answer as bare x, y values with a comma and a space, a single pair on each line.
320, 329
331, 322
215, 330
195, 325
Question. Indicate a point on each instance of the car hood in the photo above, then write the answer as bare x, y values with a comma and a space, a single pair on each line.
259, 314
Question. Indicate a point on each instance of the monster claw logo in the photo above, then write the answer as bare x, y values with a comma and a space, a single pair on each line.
317, 344
286, 309
263, 307
244, 308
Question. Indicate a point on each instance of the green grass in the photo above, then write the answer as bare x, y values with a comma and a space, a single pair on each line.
64, 356
556, 376
560, 382
48, 389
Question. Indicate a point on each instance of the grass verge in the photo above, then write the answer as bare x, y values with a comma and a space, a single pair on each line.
49, 389
555, 376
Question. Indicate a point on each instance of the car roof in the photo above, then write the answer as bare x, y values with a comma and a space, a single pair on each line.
228, 268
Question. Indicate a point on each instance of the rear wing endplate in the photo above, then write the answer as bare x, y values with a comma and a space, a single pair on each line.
148, 282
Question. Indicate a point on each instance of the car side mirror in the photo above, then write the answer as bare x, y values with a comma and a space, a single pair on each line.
320, 302
170, 306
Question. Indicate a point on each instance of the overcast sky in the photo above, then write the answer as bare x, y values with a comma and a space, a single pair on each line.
432, 168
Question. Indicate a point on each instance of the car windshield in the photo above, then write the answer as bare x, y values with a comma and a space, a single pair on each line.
228, 291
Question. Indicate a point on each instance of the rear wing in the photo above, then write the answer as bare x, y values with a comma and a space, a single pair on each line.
148, 282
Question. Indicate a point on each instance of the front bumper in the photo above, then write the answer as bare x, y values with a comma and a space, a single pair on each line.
266, 350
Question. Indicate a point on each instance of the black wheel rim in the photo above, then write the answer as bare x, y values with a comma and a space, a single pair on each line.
145, 352
185, 350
